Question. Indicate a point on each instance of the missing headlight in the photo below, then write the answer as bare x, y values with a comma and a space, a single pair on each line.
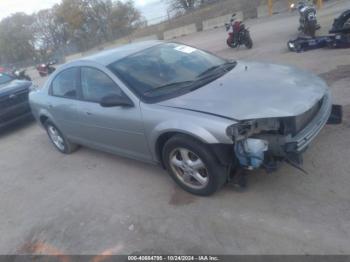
250, 152
241, 130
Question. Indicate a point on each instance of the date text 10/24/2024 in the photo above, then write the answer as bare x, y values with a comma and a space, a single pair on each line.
172, 258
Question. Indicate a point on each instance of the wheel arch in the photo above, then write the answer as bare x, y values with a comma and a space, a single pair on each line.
43, 116
222, 152
164, 137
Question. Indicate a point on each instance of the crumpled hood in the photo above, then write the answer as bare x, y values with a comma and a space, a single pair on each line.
255, 90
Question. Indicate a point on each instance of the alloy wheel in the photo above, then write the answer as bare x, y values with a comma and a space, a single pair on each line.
56, 138
189, 168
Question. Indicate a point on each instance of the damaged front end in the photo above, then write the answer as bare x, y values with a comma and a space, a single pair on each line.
264, 142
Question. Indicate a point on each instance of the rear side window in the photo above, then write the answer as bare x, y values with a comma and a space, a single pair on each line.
95, 85
65, 83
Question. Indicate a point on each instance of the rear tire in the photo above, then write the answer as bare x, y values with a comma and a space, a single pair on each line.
60, 142
193, 166
248, 42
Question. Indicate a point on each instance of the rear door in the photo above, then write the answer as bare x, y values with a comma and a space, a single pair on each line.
116, 129
62, 103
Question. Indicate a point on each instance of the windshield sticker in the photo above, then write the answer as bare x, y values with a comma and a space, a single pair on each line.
185, 49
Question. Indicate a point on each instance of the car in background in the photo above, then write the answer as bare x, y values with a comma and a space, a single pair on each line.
14, 105
196, 114
2, 69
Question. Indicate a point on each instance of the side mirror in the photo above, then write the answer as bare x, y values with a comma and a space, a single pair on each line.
116, 100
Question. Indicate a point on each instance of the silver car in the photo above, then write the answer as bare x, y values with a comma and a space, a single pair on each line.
197, 115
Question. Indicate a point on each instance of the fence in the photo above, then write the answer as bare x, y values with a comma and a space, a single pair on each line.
209, 16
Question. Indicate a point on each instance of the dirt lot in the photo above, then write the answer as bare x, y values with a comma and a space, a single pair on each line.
96, 203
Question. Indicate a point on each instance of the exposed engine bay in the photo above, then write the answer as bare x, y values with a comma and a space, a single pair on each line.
262, 142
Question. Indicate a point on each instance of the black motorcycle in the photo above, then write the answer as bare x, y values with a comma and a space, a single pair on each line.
341, 24
339, 38
21, 75
238, 34
308, 19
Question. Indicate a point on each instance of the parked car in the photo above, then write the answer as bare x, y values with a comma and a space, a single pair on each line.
194, 113
3, 69
14, 105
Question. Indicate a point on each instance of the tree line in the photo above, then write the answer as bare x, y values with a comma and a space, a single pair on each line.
74, 26
179, 7
70, 26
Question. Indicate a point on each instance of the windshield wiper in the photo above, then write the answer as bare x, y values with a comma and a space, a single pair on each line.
214, 68
170, 85
209, 70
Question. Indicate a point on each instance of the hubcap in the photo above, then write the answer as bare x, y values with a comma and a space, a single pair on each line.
189, 168
56, 138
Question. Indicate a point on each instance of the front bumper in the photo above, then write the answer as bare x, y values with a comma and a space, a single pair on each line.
302, 139
286, 145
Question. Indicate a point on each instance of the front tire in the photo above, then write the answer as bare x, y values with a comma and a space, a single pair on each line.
60, 142
193, 166
230, 43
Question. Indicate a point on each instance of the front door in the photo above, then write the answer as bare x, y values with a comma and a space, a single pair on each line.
116, 129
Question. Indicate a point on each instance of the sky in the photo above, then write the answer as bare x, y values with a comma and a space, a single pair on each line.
147, 7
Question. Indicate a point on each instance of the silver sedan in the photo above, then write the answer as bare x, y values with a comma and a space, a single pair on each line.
197, 115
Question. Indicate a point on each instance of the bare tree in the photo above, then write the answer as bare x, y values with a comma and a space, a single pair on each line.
16, 38
124, 18
49, 32
182, 5
79, 23
98, 13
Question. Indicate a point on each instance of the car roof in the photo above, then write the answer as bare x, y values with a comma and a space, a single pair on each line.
109, 56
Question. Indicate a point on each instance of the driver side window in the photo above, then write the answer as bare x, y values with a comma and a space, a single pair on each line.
95, 85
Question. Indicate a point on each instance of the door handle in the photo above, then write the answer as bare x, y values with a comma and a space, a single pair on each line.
89, 113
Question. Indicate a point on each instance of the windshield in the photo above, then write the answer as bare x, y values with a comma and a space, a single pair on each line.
5, 78
167, 70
